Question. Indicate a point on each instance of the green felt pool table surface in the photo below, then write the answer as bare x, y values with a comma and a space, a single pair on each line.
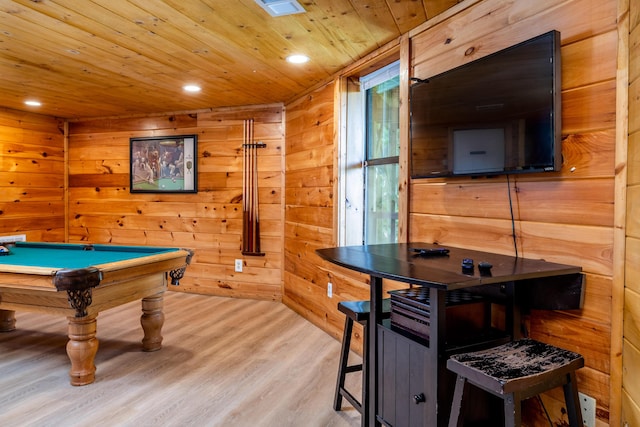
72, 256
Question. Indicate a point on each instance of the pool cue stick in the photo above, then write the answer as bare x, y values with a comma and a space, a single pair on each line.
256, 220
250, 206
244, 187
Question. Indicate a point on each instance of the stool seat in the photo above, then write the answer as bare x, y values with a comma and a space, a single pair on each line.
517, 371
355, 311
359, 310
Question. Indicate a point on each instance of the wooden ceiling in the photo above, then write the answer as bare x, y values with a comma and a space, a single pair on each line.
100, 58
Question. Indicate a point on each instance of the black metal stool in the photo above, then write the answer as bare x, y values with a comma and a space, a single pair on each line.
357, 311
514, 372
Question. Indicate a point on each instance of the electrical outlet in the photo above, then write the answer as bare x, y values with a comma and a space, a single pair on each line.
588, 408
239, 266
330, 290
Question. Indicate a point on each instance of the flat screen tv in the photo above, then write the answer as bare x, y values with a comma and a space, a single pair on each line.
499, 114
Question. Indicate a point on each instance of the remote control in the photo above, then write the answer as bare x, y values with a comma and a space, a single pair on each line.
430, 251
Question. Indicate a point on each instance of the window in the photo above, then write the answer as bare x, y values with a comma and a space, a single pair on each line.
370, 159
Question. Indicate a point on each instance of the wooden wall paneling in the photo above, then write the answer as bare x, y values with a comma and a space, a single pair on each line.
630, 410
632, 261
564, 330
547, 200
597, 298
565, 217
633, 169
494, 25
23, 122
632, 319
103, 127
32, 174
310, 211
311, 302
589, 154
598, 50
621, 212
631, 357
633, 204
210, 222
589, 108
634, 108
590, 247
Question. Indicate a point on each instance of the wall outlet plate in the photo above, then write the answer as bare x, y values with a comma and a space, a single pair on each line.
588, 408
238, 266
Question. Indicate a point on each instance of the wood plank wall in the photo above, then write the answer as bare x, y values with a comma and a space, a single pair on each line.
565, 217
631, 343
31, 176
102, 210
309, 206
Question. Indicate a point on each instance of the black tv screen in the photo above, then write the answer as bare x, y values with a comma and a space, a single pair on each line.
496, 115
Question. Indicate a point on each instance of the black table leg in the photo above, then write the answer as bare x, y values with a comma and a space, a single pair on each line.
370, 404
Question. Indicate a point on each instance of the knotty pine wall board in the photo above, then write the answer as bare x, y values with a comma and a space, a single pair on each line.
32, 194
102, 210
631, 331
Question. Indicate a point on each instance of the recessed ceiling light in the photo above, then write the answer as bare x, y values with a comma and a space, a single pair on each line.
191, 88
281, 7
33, 103
297, 59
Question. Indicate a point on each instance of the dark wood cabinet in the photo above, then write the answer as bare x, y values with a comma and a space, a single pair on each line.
414, 386
405, 382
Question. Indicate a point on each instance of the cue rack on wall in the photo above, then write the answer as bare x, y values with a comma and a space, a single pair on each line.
250, 218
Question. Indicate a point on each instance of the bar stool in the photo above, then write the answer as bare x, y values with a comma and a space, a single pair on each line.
355, 311
514, 372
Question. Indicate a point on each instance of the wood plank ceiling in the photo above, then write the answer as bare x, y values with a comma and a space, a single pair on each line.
100, 58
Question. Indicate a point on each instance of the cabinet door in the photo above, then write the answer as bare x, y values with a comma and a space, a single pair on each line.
407, 389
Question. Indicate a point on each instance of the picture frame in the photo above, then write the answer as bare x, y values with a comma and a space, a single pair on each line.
164, 164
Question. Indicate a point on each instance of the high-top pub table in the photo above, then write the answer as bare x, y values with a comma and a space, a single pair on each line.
517, 283
79, 281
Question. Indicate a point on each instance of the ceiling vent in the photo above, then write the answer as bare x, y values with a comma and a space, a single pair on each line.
281, 7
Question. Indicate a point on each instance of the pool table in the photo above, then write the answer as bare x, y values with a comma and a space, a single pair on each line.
81, 280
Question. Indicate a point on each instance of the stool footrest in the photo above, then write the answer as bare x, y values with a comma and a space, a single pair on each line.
353, 368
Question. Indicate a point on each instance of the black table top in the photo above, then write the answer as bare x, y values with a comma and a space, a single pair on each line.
400, 262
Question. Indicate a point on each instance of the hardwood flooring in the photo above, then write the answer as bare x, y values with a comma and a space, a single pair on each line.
224, 362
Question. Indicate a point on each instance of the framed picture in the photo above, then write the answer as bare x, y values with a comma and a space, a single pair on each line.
165, 164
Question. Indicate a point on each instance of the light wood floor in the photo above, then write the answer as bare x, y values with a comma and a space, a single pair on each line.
224, 362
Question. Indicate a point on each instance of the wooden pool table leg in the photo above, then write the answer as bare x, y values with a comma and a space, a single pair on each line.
82, 348
7, 320
152, 320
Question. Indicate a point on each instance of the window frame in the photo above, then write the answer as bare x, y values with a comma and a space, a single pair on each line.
348, 129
